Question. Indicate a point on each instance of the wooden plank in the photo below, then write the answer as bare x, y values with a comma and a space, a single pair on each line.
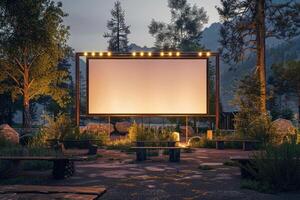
49, 158
90, 190
232, 140
159, 148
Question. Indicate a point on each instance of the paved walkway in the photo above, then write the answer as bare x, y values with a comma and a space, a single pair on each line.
158, 179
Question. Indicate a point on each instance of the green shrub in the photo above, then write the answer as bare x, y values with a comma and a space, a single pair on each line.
62, 128
202, 143
123, 144
277, 166
140, 133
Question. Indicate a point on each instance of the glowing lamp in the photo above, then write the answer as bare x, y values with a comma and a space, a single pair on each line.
93, 53
178, 54
200, 54
133, 53
100, 54
207, 54
162, 54
170, 53
109, 53
149, 54
85, 54
142, 54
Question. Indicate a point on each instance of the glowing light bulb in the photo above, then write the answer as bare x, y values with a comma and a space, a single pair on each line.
149, 54
200, 54
177, 53
93, 53
162, 54
142, 54
100, 54
85, 54
207, 54
109, 53
170, 54
133, 53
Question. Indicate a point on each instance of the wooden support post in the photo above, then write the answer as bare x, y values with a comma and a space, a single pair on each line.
217, 96
186, 129
77, 92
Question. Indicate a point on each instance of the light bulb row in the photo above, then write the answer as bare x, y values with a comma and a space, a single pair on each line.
141, 54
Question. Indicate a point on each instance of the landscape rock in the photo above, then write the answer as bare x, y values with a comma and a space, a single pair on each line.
9, 134
123, 127
98, 127
283, 129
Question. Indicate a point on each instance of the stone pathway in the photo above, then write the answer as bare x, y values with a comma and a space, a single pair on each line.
158, 179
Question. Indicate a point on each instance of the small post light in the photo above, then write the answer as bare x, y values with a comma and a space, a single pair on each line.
85, 53
93, 53
108, 53
133, 53
162, 54
207, 54
100, 54
200, 54
142, 54
170, 53
177, 54
149, 54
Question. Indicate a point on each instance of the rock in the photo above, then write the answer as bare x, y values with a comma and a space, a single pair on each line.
123, 127
98, 127
283, 128
190, 130
9, 134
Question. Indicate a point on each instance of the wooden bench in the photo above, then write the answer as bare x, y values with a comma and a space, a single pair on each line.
62, 166
92, 149
244, 162
174, 152
247, 144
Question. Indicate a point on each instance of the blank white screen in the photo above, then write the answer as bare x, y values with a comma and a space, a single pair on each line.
147, 86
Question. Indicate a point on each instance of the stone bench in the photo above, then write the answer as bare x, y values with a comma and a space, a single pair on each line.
174, 152
248, 145
62, 166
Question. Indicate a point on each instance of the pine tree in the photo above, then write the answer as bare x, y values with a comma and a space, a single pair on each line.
118, 30
246, 25
32, 42
185, 29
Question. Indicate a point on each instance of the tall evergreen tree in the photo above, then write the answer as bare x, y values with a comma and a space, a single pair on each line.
118, 30
246, 25
32, 42
185, 29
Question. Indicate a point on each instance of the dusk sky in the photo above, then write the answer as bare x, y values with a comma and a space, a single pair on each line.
87, 20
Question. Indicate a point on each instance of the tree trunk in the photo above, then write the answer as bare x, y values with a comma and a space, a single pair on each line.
26, 103
261, 61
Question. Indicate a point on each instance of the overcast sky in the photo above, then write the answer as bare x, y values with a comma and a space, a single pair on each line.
87, 20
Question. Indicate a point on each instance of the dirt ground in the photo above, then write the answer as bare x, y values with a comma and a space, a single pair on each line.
157, 178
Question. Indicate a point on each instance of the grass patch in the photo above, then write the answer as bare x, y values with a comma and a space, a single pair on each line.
257, 186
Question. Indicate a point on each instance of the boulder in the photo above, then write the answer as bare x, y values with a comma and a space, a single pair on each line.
283, 128
98, 127
190, 130
9, 134
123, 127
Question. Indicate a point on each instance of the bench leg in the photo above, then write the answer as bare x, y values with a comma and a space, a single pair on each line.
63, 169
247, 146
92, 149
174, 155
220, 145
141, 154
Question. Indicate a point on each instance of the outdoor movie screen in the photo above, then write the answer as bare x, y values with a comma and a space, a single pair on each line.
147, 86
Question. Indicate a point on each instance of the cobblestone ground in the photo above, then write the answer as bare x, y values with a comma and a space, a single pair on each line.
158, 179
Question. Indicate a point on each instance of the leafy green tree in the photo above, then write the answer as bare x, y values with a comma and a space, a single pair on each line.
32, 42
246, 25
118, 30
185, 29
286, 79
